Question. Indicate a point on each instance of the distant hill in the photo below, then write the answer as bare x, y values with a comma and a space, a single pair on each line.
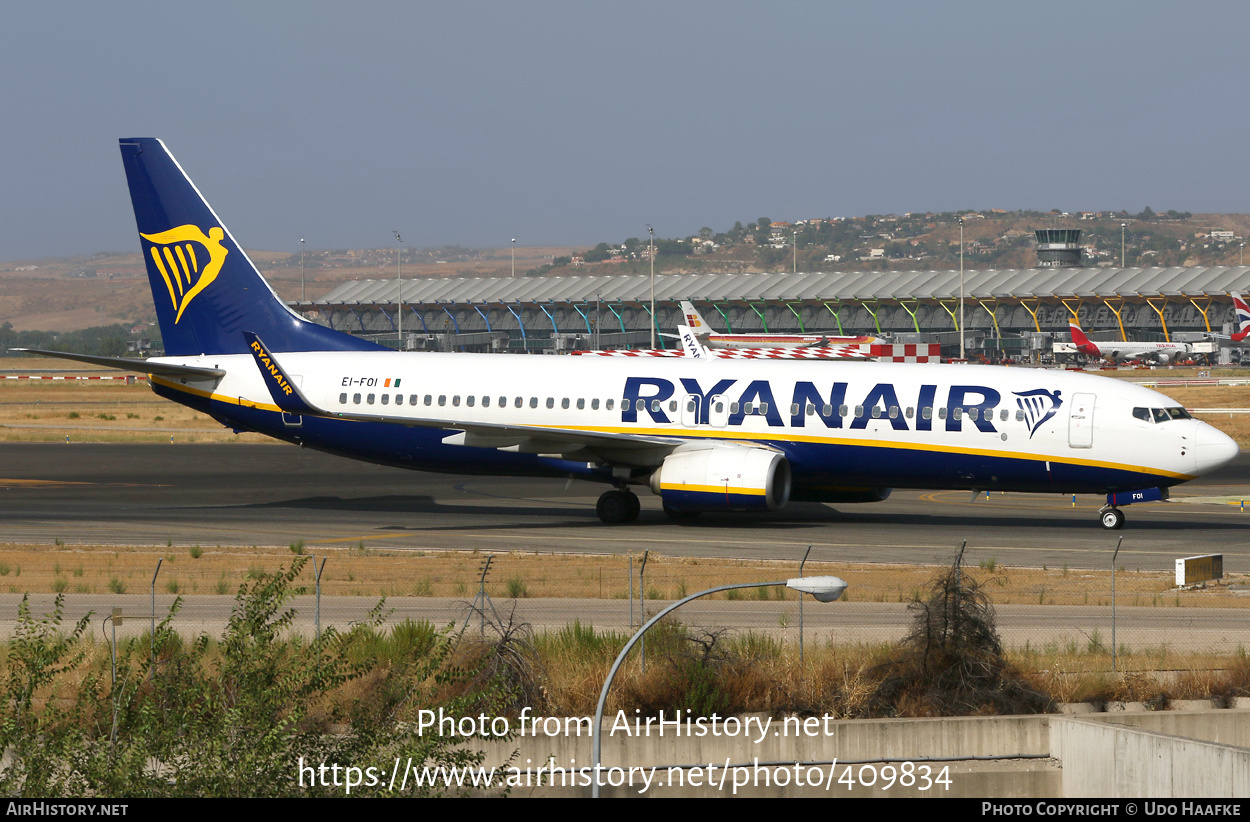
71, 294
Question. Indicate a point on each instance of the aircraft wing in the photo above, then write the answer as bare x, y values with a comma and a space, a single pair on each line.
140, 366
566, 443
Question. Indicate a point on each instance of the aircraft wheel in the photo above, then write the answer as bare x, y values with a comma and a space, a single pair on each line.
1113, 519
680, 514
617, 507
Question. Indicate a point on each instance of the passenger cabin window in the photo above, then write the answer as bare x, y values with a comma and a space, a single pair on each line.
412, 399
594, 404
581, 404
356, 399
911, 412
469, 400
442, 399
342, 399
369, 399
1002, 415
564, 403
486, 402
455, 400
533, 402
399, 399
386, 399
611, 402
926, 413
1019, 415
941, 413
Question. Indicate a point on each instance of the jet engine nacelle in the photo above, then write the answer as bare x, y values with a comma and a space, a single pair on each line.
723, 478
1164, 357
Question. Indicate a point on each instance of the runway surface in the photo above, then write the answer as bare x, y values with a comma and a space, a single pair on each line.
144, 494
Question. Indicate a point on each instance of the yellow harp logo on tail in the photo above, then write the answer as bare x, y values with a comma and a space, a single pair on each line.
185, 270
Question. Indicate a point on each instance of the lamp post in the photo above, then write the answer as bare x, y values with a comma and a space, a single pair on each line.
514, 256
651, 254
1122, 227
399, 281
825, 589
302, 295
961, 288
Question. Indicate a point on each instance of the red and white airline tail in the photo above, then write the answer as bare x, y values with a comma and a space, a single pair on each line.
1243, 318
1083, 343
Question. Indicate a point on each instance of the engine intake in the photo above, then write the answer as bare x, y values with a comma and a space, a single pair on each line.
724, 478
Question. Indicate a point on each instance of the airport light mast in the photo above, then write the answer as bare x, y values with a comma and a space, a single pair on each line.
399, 280
651, 254
961, 288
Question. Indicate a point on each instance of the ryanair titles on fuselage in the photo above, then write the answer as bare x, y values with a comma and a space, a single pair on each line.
648, 395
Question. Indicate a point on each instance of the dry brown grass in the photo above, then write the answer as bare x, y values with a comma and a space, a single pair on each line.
367, 572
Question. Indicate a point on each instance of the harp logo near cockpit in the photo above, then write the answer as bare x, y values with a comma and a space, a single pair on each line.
1038, 406
188, 261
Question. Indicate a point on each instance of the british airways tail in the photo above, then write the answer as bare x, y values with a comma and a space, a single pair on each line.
207, 292
1243, 318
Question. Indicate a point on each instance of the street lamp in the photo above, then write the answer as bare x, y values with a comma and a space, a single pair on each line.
961, 288
303, 297
1122, 227
399, 280
514, 256
651, 254
824, 589
796, 251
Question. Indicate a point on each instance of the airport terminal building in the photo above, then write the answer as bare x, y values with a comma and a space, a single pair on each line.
1010, 313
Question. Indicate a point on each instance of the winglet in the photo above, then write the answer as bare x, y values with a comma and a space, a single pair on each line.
691, 344
284, 392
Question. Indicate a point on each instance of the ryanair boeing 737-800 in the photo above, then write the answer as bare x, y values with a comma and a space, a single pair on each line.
705, 434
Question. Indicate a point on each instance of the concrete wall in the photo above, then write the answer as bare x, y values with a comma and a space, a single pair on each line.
1119, 757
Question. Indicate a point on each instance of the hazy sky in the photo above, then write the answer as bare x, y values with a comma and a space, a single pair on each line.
571, 123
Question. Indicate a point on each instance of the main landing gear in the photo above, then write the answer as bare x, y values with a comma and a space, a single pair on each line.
618, 506
1112, 518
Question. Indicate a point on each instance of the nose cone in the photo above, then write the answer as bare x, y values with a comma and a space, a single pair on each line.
1214, 449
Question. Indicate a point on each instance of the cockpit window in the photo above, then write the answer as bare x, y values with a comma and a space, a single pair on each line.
1161, 414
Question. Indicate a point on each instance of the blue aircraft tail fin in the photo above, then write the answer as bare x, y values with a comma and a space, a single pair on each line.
206, 289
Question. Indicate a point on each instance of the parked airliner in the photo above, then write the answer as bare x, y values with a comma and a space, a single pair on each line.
1118, 351
705, 434
715, 339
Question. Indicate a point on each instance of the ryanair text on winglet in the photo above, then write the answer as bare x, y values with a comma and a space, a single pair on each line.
265, 360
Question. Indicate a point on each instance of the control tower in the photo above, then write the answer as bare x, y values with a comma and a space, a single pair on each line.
1058, 247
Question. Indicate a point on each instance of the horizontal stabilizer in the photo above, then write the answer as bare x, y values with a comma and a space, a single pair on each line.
194, 372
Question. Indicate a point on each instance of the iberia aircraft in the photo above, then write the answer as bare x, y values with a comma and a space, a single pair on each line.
1118, 351
705, 434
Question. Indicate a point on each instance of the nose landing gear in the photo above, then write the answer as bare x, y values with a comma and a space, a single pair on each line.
1112, 518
